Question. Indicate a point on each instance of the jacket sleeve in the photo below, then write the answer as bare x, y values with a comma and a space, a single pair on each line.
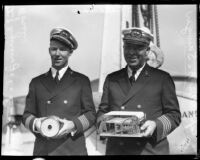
29, 114
88, 112
171, 117
104, 105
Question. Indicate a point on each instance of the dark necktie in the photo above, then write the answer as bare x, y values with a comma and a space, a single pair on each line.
56, 77
132, 77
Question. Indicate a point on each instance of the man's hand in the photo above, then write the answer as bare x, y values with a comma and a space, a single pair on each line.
38, 122
67, 127
99, 120
148, 128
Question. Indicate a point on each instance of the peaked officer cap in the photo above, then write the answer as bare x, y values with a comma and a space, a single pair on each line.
138, 36
64, 36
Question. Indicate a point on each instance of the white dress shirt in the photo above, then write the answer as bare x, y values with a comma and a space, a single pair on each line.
129, 70
61, 72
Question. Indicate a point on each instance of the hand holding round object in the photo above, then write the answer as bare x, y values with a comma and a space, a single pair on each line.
50, 127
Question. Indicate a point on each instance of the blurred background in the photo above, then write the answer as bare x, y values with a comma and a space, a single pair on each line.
97, 29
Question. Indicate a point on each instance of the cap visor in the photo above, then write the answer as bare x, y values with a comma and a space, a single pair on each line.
135, 42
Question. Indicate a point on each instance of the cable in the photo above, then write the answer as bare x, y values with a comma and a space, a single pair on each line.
157, 26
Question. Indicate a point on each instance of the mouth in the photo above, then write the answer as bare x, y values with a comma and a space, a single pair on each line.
134, 58
57, 59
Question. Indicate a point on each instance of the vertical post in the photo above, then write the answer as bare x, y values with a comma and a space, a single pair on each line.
8, 136
111, 39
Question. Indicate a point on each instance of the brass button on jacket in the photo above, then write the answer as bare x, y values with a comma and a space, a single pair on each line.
139, 106
48, 102
122, 107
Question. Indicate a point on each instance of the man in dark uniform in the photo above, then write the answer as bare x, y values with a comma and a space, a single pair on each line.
139, 87
63, 93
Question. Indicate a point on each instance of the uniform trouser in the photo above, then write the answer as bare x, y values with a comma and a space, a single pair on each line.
136, 146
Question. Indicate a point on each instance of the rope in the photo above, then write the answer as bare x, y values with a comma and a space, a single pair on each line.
156, 25
151, 17
135, 16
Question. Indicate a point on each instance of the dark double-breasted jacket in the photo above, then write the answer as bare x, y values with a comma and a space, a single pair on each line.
154, 94
70, 99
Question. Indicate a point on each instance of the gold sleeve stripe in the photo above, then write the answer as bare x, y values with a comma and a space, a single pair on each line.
163, 123
166, 125
84, 121
27, 122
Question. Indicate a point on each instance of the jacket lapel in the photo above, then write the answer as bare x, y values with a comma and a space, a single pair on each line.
123, 81
64, 83
141, 81
54, 88
48, 81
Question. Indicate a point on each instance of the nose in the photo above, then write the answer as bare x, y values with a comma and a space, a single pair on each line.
57, 52
132, 51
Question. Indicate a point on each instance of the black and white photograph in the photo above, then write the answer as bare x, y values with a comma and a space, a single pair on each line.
99, 79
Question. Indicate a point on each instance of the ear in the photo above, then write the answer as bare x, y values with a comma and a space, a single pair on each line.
70, 53
147, 51
49, 51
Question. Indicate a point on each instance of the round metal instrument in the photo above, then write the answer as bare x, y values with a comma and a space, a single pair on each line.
50, 127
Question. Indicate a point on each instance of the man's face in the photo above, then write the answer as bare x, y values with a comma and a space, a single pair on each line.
59, 53
135, 55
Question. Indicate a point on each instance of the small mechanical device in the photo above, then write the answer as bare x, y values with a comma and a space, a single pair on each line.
50, 126
121, 124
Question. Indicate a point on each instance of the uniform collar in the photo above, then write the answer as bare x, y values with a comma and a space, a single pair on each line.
129, 70
61, 72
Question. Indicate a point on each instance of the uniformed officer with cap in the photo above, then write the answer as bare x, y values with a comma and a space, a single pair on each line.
61, 93
139, 87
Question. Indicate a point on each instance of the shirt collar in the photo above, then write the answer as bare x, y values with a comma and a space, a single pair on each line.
61, 72
129, 70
